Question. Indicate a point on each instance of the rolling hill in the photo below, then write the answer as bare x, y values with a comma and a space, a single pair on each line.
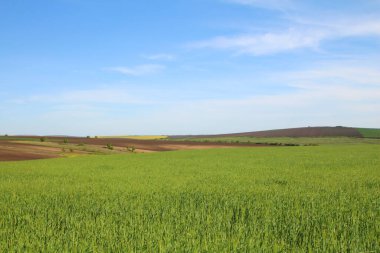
338, 131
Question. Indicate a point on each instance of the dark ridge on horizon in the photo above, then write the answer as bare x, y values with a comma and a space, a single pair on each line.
338, 131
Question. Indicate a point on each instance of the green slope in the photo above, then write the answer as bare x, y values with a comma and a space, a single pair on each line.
369, 132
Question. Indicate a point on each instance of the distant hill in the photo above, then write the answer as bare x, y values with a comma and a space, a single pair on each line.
300, 132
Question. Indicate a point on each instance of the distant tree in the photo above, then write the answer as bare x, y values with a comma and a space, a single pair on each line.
88, 137
65, 141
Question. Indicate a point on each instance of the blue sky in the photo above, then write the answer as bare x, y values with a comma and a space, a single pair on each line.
110, 67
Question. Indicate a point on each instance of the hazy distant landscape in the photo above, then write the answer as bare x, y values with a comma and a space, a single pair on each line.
13, 148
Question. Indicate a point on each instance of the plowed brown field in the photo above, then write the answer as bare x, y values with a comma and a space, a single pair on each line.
13, 151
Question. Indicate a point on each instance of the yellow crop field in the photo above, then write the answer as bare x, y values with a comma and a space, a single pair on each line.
139, 137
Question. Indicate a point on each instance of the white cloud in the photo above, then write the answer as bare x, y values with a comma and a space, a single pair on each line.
158, 57
139, 70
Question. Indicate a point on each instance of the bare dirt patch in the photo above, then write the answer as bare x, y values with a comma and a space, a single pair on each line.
10, 151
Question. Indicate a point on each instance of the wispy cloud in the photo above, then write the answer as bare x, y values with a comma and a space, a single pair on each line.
161, 57
300, 36
263, 44
139, 70
307, 28
267, 4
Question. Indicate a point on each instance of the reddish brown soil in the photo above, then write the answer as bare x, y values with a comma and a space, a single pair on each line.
10, 151
292, 132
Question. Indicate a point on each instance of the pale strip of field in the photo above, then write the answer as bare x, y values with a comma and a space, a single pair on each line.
70, 149
138, 137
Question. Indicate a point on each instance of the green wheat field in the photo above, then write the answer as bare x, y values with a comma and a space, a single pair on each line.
269, 199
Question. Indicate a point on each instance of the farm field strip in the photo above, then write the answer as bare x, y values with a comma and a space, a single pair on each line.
285, 140
370, 132
138, 137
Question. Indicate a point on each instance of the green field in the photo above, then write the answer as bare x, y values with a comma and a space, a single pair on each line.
285, 140
13, 138
271, 199
369, 132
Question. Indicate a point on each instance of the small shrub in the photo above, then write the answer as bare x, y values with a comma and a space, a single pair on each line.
131, 149
71, 150
42, 139
291, 144
110, 146
63, 150
65, 141
80, 144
